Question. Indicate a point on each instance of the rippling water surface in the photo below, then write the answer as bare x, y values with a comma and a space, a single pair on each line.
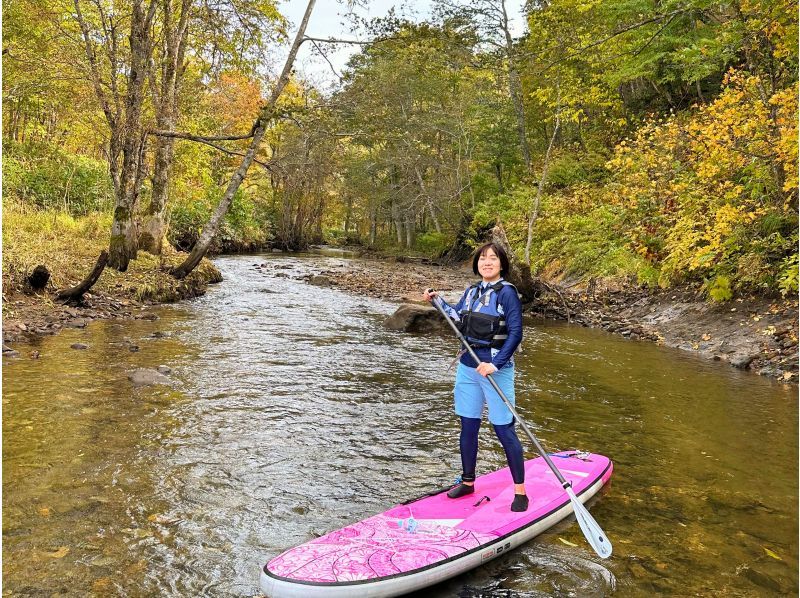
294, 412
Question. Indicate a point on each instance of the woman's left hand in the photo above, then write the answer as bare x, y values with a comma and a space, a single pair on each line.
484, 369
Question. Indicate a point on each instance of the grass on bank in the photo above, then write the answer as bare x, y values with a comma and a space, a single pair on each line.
69, 247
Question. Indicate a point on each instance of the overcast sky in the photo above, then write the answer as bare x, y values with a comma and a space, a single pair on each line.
328, 20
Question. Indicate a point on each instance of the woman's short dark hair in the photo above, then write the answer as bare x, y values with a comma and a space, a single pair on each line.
498, 251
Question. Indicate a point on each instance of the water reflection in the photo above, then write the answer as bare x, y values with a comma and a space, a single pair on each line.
293, 412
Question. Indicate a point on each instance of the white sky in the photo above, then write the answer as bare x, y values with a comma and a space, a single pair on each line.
328, 20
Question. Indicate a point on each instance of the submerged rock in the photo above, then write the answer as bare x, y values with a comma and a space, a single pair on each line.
79, 346
10, 353
143, 377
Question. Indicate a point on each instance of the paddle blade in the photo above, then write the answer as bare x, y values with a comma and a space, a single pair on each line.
594, 535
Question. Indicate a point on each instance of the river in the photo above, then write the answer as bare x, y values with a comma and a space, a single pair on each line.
294, 412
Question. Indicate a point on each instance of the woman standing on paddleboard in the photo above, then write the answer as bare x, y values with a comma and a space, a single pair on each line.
489, 315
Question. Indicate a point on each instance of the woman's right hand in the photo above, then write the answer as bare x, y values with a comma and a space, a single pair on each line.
429, 294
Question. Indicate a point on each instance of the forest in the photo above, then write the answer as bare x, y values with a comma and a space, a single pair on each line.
651, 142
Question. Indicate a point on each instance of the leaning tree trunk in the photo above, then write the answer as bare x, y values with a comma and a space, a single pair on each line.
543, 179
210, 230
77, 292
519, 272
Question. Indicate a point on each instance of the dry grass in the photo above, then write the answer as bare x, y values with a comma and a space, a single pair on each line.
69, 248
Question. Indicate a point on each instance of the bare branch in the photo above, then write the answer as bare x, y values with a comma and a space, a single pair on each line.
332, 40
200, 138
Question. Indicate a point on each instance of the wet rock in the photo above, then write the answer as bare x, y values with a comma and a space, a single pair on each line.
320, 281
143, 377
764, 581
158, 334
9, 352
164, 369
133, 348
742, 360
77, 323
410, 317
151, 317
79, 346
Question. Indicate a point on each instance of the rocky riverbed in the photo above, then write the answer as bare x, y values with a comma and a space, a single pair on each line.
756, 334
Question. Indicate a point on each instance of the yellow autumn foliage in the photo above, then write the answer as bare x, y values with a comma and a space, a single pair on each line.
714, 191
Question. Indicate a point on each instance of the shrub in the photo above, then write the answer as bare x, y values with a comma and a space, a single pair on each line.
46, 177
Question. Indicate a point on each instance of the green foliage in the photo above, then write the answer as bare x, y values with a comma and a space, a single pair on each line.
47, 177
433, 244
787, 281
720, 289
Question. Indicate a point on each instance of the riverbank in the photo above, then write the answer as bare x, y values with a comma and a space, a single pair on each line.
68, 247
116, 295
755, 334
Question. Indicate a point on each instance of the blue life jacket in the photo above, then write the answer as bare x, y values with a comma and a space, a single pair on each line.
482, 320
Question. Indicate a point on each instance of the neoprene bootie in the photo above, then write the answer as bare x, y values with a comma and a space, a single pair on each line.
460, 490
520, 503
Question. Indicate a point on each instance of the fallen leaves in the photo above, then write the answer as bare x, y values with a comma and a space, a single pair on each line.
59, 554
771, 553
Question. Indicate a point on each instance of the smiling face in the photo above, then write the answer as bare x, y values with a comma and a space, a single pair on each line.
489, 266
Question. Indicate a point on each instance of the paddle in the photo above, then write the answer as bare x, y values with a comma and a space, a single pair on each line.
594, 534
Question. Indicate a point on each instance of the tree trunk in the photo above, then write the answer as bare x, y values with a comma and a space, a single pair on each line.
76, 293
398, 223
537, 200
153, 227
348, 214
265, 115
515, 90
410, 228
124, 240
519, 272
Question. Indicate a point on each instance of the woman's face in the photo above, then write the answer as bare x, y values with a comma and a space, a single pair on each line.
489, 265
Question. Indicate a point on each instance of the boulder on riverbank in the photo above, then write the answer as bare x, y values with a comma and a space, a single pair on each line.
411, 317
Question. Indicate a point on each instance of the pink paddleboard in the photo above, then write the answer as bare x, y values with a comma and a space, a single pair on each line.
433, 538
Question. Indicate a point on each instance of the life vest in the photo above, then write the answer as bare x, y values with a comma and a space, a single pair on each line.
483, 322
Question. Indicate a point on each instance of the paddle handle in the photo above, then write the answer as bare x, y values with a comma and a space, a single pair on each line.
494, 384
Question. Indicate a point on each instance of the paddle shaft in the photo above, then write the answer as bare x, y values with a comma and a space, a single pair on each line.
494, 384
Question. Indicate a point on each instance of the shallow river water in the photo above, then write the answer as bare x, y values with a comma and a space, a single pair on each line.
294, 412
